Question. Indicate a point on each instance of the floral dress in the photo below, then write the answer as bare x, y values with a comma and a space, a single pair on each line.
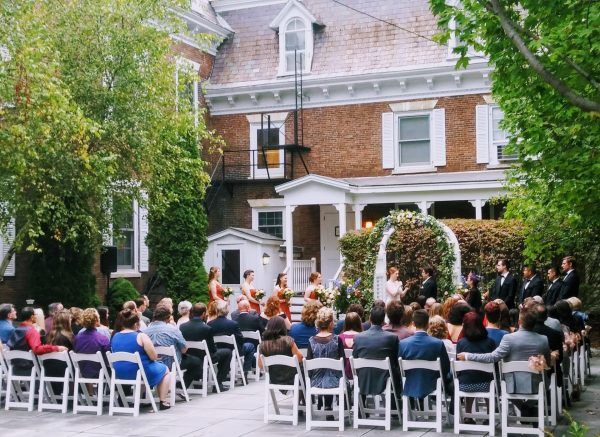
319, 347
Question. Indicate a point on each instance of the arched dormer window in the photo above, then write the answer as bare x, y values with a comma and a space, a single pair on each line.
295, 45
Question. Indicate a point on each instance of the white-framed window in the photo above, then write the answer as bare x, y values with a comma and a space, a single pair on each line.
413, 141
6, 240
295, 45
129, 230
269, 220
187, 86
491, 138
271, 159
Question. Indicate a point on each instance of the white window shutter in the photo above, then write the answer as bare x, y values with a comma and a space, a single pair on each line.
387, 140
143, 233
438, 136
6, 243
482, 134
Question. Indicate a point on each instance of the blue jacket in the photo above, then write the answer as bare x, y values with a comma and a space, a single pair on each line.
419, 383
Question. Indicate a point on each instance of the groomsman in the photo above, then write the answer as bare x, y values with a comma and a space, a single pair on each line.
505, 287
553, 293
532, 284
428, 287
570, 285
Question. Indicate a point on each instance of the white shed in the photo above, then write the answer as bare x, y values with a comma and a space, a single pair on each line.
235, 250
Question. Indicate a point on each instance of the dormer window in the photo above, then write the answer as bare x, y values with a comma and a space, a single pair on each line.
295, 25
295, 45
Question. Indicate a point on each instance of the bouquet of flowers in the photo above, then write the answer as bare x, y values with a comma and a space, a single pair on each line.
288, 293
538, 363
260, 293
326, 296
227, 291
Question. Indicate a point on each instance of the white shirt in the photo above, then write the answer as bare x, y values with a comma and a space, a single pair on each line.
502, 278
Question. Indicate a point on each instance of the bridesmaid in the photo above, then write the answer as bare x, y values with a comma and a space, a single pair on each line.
393, 287
249, 291
280, 286
215, 289
310, 295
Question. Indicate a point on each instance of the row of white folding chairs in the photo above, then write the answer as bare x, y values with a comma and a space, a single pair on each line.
83, 400
302, 387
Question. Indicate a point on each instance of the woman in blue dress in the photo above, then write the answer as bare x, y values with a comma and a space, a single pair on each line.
129, 339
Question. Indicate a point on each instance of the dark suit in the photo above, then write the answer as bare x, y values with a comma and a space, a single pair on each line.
555, 342
570, 285
376, 344
250, 322
197, 330
419, 383
506, 290
223, 326
553, 294
532, 287
429, 288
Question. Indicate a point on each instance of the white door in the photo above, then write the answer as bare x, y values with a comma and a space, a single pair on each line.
330, 255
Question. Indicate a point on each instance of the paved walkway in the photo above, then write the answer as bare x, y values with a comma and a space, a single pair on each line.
232, 414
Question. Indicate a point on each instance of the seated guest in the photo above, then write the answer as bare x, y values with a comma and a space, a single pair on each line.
249, 321
475, 339
52, 309
473, 297
555, 338
197, 330
235, 314
302, 331
518, 346
567, 319
325, 344
513, 314
61, 335
422, 301
273, 309
223, 326
395, 314
40, 323
455, 319
377, 344
183, 309
407, 319
103, 328
492, 314
352, 326
129, 339
89, 341
76, 323
551, 322
352, 308
140, 304
147, 311
8, 315
438, 329
132, 306
415, 306
429, 303
162, 333
419, 383
435, 310
277, 342
447, 306
211, 311
504, 323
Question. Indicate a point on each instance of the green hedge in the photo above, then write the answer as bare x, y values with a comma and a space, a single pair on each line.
119, 292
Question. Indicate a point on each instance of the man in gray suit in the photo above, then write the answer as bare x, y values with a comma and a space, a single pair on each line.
518, 346
377, 344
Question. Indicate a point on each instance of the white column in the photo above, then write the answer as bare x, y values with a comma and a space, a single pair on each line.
424, 206
289, 241
341, 207
478, 205
358, 208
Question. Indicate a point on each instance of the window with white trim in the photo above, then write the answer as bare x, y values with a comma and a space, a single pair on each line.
186, 82
266, 162
499, 137
269, 220
414, 141
295, 45
491, 139
124, 233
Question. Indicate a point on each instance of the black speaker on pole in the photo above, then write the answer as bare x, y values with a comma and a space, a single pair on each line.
108, 260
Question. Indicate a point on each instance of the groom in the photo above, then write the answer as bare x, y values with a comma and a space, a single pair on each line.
428, 287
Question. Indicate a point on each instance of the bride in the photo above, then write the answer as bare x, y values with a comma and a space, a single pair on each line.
393, 287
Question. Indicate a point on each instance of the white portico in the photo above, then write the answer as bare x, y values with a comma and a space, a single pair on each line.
342, 202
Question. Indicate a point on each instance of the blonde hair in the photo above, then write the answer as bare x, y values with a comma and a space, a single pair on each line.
324, 318
76, 314
438, 328
90, 318
39, 319
575, 303
309, 312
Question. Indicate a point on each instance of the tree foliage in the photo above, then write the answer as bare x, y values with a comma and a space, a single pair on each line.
89, 114
545, 79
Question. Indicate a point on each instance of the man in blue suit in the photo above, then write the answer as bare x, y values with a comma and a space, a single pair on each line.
419, 383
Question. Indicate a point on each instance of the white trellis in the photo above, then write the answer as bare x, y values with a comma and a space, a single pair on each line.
380, 277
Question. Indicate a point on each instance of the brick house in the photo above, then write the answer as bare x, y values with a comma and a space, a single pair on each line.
385, 122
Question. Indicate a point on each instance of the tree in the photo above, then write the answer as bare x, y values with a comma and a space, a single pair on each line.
545, 58
88, 114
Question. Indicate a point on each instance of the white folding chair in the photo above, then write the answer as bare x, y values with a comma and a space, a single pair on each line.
22, 398
555, 399
176, 372
209, 374
297, 388
409, 416
83, 400
236, 365
116, 385
540, 397
341, 392
254, 335
360, 409
47, 399
3, 371
490, 396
